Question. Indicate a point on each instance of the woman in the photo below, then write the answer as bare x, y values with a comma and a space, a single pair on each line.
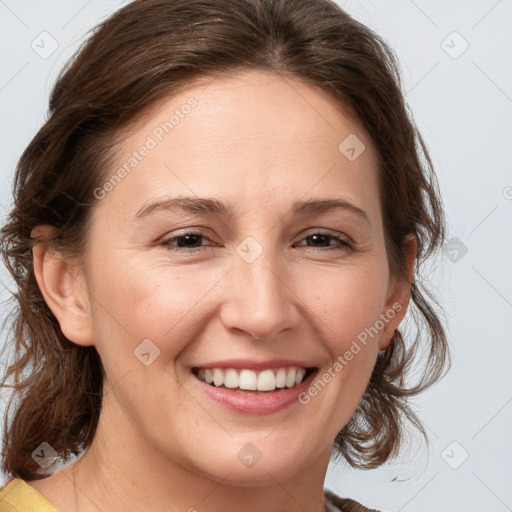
215, 239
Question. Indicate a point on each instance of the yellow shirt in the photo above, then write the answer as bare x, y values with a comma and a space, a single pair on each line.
18, 496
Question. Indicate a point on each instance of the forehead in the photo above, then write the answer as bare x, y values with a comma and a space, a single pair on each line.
248, 138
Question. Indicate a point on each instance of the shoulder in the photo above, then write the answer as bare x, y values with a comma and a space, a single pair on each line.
18, 496
337, 504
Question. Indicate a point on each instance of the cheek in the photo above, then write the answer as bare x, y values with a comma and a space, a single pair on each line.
348, 302
349, 307
162, 303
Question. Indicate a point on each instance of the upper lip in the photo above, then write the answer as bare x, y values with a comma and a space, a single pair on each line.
251, 364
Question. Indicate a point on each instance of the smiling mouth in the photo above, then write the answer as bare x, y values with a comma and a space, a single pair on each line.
250, 381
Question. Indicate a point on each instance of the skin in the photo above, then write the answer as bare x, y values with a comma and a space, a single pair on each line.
259, 142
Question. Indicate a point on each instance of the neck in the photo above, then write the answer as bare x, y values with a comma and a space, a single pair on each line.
107, 477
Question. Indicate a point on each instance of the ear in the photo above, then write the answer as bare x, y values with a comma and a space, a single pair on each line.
64, 288
399, 293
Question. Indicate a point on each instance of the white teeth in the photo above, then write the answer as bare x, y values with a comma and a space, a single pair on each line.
231, 379
290, 378
281, 378
218, 377
266, 380
248, 380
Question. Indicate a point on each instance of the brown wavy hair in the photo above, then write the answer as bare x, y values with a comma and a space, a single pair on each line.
152, 49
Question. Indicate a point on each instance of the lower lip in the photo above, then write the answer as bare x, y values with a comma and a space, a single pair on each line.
263, 403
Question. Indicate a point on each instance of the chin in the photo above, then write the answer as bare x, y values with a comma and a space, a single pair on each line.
249, 466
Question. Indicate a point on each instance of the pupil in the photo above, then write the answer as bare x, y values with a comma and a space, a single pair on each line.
316, 237
186, 238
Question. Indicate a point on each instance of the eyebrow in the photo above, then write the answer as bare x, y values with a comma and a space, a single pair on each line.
205, 205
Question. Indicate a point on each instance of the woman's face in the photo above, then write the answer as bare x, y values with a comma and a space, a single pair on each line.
272, 260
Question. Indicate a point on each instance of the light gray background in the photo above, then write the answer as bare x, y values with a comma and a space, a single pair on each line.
462, 103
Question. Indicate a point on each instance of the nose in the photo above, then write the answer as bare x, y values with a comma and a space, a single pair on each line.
259, 298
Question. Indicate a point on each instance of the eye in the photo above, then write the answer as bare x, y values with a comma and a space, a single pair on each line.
189, 241
192, 241
321, 239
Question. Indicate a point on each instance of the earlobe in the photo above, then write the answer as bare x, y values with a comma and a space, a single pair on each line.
63, 287
399, 295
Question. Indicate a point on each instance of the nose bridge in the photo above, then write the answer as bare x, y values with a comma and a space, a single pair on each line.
260, 300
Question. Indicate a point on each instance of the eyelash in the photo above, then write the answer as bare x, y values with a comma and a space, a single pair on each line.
167, 243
